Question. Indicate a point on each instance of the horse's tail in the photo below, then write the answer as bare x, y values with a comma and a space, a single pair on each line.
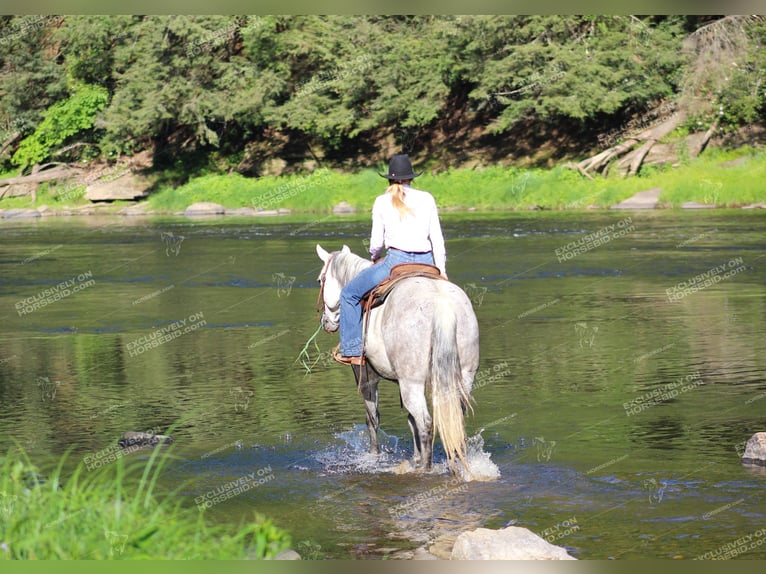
448, 395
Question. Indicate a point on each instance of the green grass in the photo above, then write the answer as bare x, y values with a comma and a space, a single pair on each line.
316, 192
115, 513
492, 188
702, 180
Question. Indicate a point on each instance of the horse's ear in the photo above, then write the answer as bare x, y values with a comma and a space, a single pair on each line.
345, 249
323, 255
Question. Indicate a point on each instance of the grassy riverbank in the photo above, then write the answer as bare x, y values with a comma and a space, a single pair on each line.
724, 179
721, 178
115, 513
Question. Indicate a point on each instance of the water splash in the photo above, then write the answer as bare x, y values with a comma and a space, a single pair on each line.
479, 462
353, 456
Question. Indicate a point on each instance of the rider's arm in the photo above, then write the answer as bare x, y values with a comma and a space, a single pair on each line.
376, 235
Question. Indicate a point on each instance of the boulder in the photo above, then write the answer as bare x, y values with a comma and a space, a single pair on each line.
132, 439
137, 209
19, 213
288, 554
695, 205
122, 185
205, 208
648, 199
422, 554
755, 449
242, 211
343, 207
755, 206
734, 162
511, 543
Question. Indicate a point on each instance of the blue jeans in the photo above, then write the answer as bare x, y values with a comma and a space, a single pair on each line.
352, 293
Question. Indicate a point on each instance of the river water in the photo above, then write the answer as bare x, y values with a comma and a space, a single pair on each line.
623, 368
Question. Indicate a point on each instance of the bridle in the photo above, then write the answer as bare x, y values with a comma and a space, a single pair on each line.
320, 304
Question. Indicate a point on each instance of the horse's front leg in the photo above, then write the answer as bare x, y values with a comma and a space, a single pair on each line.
367, 383
373, 423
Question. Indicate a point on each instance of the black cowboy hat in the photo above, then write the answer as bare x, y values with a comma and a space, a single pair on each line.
400, 168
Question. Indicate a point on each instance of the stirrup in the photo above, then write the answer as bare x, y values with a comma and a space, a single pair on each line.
346, 360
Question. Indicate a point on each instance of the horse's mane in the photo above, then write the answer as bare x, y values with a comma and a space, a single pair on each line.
347, 265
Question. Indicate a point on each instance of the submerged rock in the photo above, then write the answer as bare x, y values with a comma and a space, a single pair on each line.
755, 449
130, 439
511, 543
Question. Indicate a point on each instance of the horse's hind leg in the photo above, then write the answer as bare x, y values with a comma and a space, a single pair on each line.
419, 420
415, 440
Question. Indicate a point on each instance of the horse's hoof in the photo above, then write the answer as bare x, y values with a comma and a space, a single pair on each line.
405, 467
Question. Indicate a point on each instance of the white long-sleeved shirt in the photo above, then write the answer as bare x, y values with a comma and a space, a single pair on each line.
418, 231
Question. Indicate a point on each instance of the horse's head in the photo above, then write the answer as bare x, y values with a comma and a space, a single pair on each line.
329, 289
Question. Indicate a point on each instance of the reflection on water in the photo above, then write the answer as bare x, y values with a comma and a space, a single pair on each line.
614, 409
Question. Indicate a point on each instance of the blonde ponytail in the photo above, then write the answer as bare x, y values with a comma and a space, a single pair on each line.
396, 190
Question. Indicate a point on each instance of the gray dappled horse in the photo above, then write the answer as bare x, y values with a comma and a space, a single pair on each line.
424, 337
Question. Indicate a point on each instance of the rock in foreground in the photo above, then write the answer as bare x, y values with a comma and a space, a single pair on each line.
511, 543
133, 439
755, 449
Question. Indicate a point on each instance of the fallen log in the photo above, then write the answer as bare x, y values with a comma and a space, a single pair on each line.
61, 171
628, 156
27, 184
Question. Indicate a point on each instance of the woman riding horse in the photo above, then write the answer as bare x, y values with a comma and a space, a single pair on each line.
406, 221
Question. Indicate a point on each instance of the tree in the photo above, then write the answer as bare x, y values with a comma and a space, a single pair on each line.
30, 78
181, 83
60, 122
338, 90
723, 70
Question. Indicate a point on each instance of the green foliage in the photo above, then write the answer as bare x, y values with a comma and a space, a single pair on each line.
32, 80
576, 67
61, 121
186, 85
114, 513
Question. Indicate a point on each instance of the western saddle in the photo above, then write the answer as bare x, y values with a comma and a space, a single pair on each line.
377, 295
